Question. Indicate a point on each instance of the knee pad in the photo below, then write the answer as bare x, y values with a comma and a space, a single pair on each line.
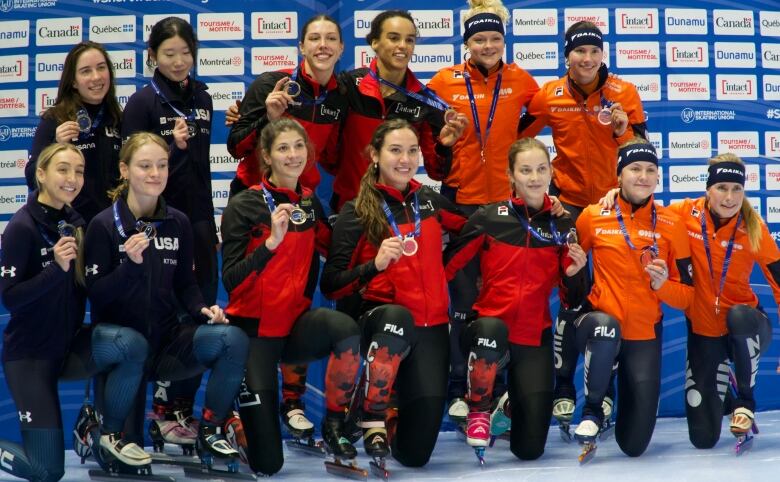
393, 321
597, 326
743, 320
487, 337
340, 326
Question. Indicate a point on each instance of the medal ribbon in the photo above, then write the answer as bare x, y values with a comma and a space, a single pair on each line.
557, 239
318, 100
726, 259
475, 114
189, 118
430, 98
394, 225
623, 229
95, 123
139, 225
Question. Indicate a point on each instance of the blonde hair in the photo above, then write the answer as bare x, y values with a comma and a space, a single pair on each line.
44, 160
524, 145
487, 6
368, 204
129, 148
750, 217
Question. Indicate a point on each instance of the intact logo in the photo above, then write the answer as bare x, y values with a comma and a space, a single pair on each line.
534, 21
221, 26
687, 178
268, 59
735, 87
229, 61
688, 87
604, 332
114, 29
733, 22
58, 31
13, 68
769, 23
743, 144
533, 56
15, 33
740, 55
687, 54
772, 147
14, 103
433, 23
274, 25
636, 20
637, 54
599, 16
432, 57
685, 21
45, 98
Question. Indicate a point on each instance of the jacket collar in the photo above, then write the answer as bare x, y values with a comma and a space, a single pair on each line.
575, 89
393, 193
38, 213
370, 86
293, 195
521, 207
480, 72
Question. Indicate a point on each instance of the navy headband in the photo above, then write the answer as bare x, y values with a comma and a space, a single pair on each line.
482, 22
726, 172
635, 153
582, 36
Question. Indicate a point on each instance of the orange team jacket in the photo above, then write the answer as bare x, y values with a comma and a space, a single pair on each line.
478, 182
621, 287
586, 161
736, 290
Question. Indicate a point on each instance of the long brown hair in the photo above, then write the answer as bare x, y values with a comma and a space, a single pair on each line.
368, 204
750, 217
68, 99
45, 159
130, 147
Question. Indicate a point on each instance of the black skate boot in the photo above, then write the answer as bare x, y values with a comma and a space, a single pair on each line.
344, 453
211, 445
376, 445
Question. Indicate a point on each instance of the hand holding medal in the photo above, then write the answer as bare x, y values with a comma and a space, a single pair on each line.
658, 272
575, 252
455, 124
280, 217
618, 119
66, 132
390, 251
279, 99
181, 133
65, 249
135, 246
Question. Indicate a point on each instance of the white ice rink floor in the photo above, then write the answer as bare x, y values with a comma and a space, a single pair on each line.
670, 457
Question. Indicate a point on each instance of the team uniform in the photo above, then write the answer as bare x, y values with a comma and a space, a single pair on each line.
624, 326
519, 271
100, 147
44, 340
585, 161
367, 110
318, 108
270, 299
137, 330
404, 315
738, 331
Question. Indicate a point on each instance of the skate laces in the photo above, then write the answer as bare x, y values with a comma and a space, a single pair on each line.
563, 409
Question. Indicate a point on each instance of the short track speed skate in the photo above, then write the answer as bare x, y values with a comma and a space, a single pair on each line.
119, 459
501, 419
563, 411
212, 446
377, 447
174, 429
342, 450
586, 434
743, 428
301, 429
478, 433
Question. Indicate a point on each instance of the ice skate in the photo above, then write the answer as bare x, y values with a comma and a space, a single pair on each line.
119, 459
501, 418
234, 434
212, 445
376, 446
301, 429
741, 426
177, 429
478, 433
458, 411
352, 429
586, 434
607, 427
563, 411
86, 422
342, 450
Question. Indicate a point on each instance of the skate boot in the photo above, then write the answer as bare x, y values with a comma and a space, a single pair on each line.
458, 411
376, 446
173, 428
478, 433
301, 429
563, 411
234, 434
501, 418
127, 453
86, 421
741, 425
119, 459
344, 453
586, 434
212, 444
607, 427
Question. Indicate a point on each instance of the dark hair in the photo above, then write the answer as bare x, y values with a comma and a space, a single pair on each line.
269, 134
580, 25
376, 24
171, 27
68, 99
317, 18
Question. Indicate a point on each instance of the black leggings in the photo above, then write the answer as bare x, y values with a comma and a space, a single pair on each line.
708, 369
314, 336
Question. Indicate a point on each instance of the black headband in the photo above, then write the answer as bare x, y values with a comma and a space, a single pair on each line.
482, 22
635, 153
726, 172
582, 36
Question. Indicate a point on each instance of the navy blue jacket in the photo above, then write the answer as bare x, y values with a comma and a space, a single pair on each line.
189, 178
142, 296
101, 156
46, 304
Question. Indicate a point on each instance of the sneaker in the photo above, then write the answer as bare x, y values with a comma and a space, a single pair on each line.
295, 419
501, 418
478, 429
588, 429
234, 434
127, 453
458, 410
563, 409
741, 421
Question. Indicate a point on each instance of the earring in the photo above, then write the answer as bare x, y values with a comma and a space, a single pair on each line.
376, 166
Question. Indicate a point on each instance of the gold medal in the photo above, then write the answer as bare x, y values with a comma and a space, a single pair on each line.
409, 245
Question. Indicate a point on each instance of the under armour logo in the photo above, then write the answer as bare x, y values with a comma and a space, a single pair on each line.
25, 417
92, 269
7, 271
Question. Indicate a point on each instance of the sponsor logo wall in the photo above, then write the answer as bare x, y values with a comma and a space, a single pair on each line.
709, 77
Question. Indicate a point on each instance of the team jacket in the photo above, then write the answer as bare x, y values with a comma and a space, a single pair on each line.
478, 182
621, 287
189, 170
143, 296
273, 287
519, 271
101, 156
736, 290
586, 160
367, 110
321, 122
45, 303
416, 282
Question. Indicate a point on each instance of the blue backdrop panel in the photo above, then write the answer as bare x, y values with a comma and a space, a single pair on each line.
708, 73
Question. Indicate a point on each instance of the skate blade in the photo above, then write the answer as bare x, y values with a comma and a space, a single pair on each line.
607, 431
480, 453
378, 470
349, 471
97, 474
309, 447
565, 433
588, 452
178, 460
206, 473
744, 444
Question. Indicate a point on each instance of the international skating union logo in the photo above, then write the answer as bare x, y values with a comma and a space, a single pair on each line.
687, 115
5, 133
6, 5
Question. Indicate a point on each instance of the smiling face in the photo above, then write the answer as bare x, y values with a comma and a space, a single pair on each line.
486, 48
398, 158
147, 172
725, 198
287, 158
174, 58
321, 47
395, 45
92, 78
62, 179
584, 63
531, 176
638, 180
